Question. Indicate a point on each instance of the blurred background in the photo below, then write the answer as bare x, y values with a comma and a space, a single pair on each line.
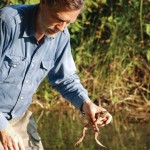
111, 46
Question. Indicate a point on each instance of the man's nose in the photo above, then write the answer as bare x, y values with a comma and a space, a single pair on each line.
61, 26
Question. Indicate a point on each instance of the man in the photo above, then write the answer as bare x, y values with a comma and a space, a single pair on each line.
35, 42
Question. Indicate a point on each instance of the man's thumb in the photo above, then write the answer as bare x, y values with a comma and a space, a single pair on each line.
93, 117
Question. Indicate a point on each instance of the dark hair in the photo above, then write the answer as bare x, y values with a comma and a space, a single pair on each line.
67, 4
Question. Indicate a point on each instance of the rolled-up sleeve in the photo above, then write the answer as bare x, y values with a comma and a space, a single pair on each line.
63, 77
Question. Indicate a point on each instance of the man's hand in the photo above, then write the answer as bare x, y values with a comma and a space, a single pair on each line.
10, 139
91, 110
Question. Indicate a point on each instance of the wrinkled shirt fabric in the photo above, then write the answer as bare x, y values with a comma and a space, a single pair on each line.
24, 63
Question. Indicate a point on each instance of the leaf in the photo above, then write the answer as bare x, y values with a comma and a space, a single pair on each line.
148, 55
89, 10
110, 19
103, 1
148, 29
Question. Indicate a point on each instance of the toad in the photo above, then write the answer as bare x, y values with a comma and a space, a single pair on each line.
101, 118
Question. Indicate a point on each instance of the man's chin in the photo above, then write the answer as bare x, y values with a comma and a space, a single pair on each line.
52, 34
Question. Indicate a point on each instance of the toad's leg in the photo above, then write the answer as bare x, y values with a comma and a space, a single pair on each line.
82, 137
96, 128
96, 135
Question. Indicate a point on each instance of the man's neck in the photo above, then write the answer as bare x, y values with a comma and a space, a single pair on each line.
39, 36
38, 33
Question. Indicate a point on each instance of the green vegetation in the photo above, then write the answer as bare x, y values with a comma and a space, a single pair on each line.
111, 47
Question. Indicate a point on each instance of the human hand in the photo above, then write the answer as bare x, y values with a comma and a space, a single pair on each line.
10, 139
91, 110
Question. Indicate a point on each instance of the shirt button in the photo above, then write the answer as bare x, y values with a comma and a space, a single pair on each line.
14, 65
32, 65
21, 97
27, 81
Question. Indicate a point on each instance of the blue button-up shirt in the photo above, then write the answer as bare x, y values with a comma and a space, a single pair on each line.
24, 63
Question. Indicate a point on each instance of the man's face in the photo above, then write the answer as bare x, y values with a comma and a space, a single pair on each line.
52, 21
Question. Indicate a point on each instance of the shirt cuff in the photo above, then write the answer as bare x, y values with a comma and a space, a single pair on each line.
3, 121
78, 100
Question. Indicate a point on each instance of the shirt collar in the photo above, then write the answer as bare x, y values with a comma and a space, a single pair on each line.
29, 21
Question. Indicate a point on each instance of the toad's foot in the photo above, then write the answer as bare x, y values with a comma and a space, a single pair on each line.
82, 137
97, 141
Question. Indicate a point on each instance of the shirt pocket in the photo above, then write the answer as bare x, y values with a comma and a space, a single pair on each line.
44, 68
12, 69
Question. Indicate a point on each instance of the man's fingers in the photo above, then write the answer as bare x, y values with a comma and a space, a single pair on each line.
20, 144
14, 143
107, 115
93, 117
93, 111
5, 148
10, 139
21, 147
10, 146
109, 119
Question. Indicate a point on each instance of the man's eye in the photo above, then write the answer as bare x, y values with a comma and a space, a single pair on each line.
60, 20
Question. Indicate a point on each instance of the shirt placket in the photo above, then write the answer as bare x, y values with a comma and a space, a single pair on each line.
27, 82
